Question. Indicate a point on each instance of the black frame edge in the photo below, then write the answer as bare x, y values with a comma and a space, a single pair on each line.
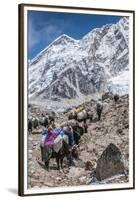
133, 99
77, 7
21, 99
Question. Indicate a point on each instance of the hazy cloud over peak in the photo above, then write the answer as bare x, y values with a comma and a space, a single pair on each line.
45, 27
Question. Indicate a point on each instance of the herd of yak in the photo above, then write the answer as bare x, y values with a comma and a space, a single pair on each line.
76, 125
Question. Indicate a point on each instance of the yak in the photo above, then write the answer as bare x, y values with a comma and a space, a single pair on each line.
47, 154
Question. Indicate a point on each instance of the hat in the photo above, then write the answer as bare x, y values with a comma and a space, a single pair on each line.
49, 129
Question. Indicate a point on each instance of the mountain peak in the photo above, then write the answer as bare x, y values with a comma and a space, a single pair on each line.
69, 68
64, 37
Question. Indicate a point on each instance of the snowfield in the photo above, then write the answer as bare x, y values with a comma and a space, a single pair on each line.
120, 83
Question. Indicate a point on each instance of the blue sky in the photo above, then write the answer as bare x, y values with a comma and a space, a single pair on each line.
44, 27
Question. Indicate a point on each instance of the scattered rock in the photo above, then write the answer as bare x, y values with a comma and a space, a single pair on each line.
106, 96
119, 131
90, 148
75, 172
58, 179
88, 165
48, 184
36, 175
82, 180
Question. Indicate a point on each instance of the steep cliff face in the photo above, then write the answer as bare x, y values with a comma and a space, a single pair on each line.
70, 68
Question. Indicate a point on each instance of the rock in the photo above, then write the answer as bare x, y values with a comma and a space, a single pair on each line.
36, 176
30, 156
106, 96
34, 183
30, 151
82, 180
126, 125
35, 144
32, 171
48, 184
75, 171
30, 139
36, 187
58, 179
119, 131
109, 163
88, 165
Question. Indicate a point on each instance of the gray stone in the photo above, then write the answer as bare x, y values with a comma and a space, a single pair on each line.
109, 163
82, 180
59, 179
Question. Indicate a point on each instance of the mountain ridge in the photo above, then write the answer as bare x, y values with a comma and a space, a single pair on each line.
70, 68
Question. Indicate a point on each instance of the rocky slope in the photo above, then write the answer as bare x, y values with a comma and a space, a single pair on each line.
113, 128
70, 68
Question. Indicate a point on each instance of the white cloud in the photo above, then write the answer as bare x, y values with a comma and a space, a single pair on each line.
47, 33
33, 35
51, 32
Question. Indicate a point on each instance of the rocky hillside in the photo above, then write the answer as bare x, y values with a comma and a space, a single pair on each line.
113, 128
70, 68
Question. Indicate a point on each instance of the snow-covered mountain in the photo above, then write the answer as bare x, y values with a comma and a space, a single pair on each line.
70, 68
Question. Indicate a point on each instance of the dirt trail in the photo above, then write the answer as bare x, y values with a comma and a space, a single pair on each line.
113, 128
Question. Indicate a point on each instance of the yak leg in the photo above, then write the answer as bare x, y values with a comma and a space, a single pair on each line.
61, 163
85, 129
70, 160
99, 114
47, 165
91, 118
76, 137
57, 160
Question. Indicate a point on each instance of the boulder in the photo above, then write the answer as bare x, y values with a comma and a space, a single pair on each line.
106, 95
109, 163
89, 165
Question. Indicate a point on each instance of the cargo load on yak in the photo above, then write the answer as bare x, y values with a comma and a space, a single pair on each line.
52, 141
79, 109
